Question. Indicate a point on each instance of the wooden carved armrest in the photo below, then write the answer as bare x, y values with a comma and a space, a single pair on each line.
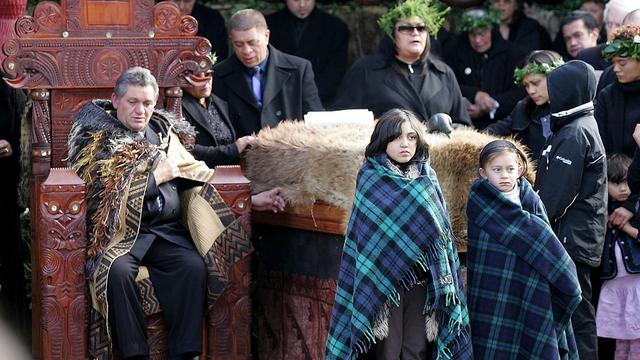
228, 323
60, 296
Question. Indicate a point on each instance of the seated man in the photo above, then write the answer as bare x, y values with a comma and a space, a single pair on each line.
135, 168
579, 31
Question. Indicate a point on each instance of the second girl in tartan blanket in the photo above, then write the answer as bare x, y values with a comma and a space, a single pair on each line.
522, 283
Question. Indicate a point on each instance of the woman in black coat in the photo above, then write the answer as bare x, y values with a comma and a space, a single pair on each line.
530, 120
483, 63
403, 75
216, 142
617, 109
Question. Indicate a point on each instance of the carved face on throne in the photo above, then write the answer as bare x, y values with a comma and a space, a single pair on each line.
135, 107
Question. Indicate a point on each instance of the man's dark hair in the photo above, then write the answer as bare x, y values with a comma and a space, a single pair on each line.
389, 127
246, 19
587, 19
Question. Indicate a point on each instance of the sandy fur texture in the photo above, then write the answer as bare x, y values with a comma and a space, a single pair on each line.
321, 163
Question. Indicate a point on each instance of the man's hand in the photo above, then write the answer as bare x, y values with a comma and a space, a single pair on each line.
245, 141
5, 148
485, 101
619, 217
268, 200
166, 170
636, 134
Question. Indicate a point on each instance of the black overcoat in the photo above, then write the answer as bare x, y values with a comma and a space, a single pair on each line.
491, 72
211, 26
617, 111
324, 42
289, 91
373, 84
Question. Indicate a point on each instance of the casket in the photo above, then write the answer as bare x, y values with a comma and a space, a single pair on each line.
299, 249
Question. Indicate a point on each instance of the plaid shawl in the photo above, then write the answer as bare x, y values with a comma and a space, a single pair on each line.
523, 286
396, 225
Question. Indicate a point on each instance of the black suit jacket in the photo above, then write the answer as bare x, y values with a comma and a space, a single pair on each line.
593, 57
207, 148
164, 221
289, 92
324, 42
211, 26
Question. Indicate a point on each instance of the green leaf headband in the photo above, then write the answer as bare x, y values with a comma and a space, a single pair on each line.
622, 48
213, 57
478, 18
432, 13
535, 68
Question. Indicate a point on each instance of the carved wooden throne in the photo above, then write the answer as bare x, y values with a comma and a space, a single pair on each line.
67, 54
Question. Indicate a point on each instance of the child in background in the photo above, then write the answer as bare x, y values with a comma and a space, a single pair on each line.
399, 280
522, 284
618, 315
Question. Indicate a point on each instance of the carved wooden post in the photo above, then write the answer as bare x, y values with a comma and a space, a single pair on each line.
174, 101
228, 330
61, 254
40, 164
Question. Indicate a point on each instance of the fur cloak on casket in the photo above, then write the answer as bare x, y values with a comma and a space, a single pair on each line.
321, 163
115, 168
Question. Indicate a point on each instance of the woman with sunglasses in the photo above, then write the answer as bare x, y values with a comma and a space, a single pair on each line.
403, 75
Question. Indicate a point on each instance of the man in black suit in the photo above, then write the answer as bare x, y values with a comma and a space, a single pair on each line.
210, 25
261, 84
303, 30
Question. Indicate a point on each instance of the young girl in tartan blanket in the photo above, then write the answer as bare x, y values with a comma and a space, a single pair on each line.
399, 282
523, 285
618, 315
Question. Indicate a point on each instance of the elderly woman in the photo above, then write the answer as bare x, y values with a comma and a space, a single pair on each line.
483, 63
402, 74
530, 120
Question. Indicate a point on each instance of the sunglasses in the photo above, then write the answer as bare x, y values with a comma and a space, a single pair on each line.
408, 29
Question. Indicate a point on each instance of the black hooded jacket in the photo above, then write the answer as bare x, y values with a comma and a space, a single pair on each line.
572, 171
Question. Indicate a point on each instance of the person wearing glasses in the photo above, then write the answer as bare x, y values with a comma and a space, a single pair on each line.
519, 29
483, 63
403, 74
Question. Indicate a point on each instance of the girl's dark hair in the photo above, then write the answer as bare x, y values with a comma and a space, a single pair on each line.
388, 48
617, 167
389, 127
497, 147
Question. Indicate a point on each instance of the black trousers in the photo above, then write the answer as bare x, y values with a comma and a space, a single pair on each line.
179, 279
407, 337
584, 318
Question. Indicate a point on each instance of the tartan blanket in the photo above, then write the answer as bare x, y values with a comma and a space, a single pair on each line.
523, 286
397, 225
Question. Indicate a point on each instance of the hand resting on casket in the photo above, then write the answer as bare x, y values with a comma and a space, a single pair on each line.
268, 200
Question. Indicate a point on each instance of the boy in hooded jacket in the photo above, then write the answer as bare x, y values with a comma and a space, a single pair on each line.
572, 183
